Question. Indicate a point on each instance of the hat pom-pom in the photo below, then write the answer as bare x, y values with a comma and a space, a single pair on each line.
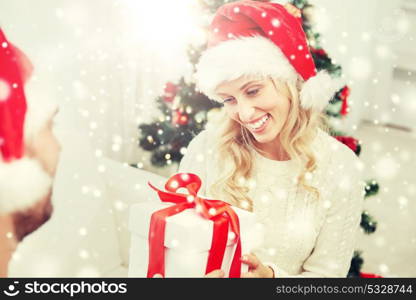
23, 182
317, 91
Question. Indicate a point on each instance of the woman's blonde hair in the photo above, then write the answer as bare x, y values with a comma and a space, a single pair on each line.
234, 142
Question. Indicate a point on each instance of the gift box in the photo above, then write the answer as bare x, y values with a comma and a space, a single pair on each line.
188, 239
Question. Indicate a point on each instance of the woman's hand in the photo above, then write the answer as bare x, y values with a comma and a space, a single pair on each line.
255, 268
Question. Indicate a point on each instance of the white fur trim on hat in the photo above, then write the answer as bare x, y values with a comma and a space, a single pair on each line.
231, 59
23, 182
257, 56
317, 91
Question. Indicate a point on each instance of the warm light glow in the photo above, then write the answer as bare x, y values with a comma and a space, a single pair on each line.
165, 24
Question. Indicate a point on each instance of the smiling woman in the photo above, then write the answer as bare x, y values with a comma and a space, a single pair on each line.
272, 123
268, 151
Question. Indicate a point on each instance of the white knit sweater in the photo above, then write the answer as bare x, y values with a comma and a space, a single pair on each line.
303, 237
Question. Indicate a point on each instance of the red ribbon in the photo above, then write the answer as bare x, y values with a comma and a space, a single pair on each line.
218, 211
369, 275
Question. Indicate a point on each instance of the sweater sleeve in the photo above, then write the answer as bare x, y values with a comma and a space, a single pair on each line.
194, 160
335, 243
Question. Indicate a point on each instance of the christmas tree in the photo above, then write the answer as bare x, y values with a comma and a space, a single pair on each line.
185, 113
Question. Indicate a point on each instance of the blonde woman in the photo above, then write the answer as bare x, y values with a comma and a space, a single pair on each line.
267, 150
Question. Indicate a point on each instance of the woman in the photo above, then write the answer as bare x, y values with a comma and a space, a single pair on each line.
266, 151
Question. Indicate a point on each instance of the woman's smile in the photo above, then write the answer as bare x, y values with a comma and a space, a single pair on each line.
260, 125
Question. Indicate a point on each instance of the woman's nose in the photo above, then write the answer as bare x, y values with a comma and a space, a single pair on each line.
245, 112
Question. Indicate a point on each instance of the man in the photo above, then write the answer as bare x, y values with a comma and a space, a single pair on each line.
29, 154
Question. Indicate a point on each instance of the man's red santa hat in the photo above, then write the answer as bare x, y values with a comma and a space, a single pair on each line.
23, 181
261, 39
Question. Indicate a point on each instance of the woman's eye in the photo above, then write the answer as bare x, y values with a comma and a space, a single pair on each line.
253, 92
228, 100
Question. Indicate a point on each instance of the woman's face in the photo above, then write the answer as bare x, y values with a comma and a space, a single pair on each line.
258, 105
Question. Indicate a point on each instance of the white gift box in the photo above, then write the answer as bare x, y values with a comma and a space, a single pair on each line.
188, 238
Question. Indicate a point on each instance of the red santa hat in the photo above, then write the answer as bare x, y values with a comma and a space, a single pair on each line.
23, 181
261, 39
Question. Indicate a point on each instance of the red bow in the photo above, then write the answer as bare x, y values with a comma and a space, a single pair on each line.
218, 211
